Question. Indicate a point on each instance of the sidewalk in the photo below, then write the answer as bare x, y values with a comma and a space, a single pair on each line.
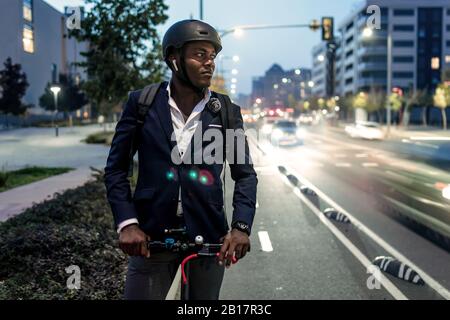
15, 201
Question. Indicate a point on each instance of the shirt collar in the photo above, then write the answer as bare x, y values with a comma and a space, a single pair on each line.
206, 98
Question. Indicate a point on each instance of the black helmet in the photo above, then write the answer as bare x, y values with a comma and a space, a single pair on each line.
190, 30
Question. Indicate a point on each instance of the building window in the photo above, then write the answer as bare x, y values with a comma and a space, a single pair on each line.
403, 27
28, 10
403, 59
448, 27
349, 81
349, 40
403, 12
348, 54
403, 75
448, 43
349, 67
435, 63
404, 43
28, 39
349, 26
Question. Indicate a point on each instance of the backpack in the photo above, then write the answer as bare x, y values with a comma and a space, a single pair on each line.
145, 103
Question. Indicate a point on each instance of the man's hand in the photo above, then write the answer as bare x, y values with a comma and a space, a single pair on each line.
235, 243
133, 241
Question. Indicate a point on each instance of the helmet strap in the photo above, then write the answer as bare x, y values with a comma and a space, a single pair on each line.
184, 77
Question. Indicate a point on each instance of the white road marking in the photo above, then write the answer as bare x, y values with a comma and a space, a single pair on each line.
362, 155
386, 246
266, 245
343, 165
370, 164
430, 138
340, 155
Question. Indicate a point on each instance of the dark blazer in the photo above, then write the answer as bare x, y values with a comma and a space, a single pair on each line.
155, 199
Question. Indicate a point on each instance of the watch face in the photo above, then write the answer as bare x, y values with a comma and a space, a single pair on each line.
242, 225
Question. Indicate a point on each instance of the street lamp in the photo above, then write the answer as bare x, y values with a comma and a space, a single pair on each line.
55, 89
321, 58
311, 84
238, 32
367, 32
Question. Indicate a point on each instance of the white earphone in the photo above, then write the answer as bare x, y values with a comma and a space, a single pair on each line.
174, 62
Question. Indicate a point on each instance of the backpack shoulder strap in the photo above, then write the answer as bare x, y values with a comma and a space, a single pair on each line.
145, 101
144, 104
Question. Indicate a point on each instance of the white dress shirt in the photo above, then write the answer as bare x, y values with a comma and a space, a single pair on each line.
184, 130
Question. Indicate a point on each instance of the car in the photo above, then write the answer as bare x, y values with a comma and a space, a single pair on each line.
267, 125
306, 119
286, 132
365, 130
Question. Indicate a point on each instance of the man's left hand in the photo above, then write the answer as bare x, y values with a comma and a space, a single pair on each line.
235, 243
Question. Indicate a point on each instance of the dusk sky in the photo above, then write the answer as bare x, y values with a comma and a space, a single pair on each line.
257, 49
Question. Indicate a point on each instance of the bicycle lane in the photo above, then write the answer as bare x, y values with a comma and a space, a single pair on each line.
307, 261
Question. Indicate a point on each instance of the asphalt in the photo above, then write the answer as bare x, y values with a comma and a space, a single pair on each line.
336, 167
307, 261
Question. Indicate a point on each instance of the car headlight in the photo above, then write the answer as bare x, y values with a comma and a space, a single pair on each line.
277, 134
300, 133
267, 128
446, 192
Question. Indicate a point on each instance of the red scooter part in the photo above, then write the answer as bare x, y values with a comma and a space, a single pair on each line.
195, 256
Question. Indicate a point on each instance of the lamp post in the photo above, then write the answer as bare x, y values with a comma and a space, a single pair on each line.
55, 89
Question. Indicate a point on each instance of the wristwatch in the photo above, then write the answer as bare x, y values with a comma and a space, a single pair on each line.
241, 226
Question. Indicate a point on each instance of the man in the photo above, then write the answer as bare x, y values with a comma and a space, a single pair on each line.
170, 195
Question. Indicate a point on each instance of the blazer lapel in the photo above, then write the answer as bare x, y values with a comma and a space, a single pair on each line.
163, 111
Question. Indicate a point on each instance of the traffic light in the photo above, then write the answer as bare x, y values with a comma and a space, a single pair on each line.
327, 28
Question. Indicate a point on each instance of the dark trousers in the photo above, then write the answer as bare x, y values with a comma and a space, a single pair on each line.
151, 278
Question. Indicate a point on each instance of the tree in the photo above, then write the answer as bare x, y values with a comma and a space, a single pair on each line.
360, 100
442, 100
375, 102
218, 84
424, 100
13, 86
292, 103
120, 33
395, 101
70, 98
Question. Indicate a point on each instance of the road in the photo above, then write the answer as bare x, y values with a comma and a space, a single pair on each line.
310, 259
296, 252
